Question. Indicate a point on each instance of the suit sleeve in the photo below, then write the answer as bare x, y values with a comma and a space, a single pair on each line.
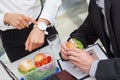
86, 32
108, 69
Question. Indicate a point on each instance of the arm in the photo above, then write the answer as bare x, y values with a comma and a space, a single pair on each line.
49, 12
18, 21
108, 69
85, 33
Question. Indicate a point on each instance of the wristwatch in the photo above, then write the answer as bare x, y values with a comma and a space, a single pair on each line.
42, 26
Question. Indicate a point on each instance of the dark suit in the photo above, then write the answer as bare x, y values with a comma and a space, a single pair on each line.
93, 28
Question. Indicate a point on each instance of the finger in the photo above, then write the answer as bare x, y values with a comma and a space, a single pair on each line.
33, 21
30, 46
25, 23
27, 44
72, 53
37, 46
41, 42
17, 25
64, 45
73, 58
30, 20
63, 51
33, 47
64, 56
76, 64
20, 21
22, 26
75, 50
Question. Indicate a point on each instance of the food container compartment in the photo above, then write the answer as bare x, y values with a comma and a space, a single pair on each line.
41, 72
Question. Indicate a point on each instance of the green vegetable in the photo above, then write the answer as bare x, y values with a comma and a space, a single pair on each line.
24, 72
38, 75
78, 43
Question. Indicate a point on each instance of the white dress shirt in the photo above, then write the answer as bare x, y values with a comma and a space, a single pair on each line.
29, 8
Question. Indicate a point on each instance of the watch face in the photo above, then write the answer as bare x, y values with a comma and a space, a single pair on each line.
42, 26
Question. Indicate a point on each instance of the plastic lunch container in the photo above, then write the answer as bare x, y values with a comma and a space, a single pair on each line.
42, 72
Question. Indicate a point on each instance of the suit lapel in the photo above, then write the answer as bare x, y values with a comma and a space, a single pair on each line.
112, 36
100, 27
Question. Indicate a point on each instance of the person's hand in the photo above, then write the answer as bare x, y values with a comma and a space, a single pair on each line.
80, 58
35, 39
19, 21
63, 51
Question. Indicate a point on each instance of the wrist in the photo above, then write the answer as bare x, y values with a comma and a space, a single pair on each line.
39, 29
44, 20
42, 26
93, 68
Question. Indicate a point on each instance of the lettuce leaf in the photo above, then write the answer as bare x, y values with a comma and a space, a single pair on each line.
78, 43
24, 72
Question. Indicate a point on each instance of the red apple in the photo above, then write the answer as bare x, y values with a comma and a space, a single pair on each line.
39, 57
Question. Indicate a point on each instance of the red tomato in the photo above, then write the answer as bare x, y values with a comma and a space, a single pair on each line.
38, 64
49, 59
44, 61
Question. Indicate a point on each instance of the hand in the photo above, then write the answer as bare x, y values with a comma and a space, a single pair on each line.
19, 21
81, 59
35, 39
64, 51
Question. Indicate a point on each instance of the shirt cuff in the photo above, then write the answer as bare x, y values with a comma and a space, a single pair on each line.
94, 68
2, 20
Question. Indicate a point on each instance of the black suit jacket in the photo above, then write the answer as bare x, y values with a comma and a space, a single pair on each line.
93, 28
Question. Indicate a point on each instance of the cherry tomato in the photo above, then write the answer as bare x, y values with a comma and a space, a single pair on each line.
44, 61
49, 59
38, 64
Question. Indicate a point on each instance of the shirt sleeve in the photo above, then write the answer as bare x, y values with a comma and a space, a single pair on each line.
94, 68
2, 19
50, 10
